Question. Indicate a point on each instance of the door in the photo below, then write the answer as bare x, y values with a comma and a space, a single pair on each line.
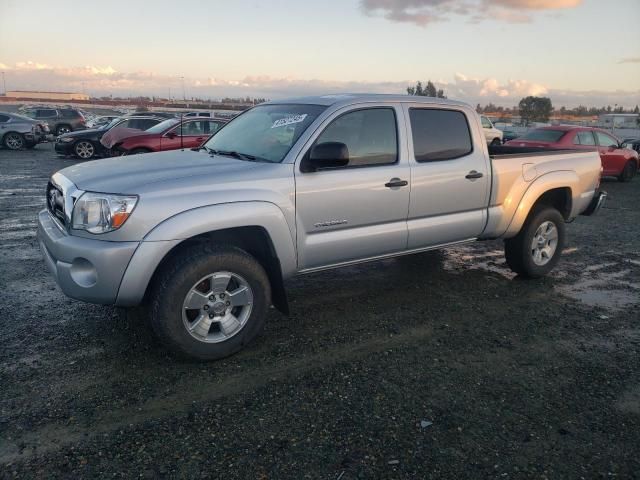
613, 158
193, 134
357, 211
450, 176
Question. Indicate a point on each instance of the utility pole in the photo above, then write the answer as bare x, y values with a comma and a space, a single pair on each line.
184, 96
169, 94
4, 85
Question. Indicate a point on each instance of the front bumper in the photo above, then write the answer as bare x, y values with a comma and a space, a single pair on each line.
85, 269
596, 203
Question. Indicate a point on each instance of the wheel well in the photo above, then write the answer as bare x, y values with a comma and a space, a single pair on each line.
558, 198
64, 125
252, 239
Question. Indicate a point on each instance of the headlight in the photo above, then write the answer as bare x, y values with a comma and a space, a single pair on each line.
102, 212
66, 139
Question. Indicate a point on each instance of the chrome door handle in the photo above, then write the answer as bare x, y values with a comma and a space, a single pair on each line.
473, 175
396, 182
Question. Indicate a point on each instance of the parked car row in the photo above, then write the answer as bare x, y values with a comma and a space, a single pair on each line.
617, 160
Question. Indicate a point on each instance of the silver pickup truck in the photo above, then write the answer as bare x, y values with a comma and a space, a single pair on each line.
203, 239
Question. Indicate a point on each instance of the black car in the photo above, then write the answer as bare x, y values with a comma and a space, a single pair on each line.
634, 143
85, 144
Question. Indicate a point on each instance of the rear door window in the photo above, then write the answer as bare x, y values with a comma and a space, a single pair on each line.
4, 118
584, 138
46, 113
439, 134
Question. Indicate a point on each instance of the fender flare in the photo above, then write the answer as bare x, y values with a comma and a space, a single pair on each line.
188, 224
541, 185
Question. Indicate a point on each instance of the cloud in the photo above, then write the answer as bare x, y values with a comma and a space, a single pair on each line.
425, 12
630, 60
105, 80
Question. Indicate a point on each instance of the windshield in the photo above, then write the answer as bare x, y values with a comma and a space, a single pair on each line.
162, 126
111, 124
265, 132
543, 135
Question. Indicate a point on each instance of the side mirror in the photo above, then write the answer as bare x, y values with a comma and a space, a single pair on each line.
326, 155
171, 135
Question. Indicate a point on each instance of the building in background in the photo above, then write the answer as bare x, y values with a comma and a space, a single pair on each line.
35, 95
618, 120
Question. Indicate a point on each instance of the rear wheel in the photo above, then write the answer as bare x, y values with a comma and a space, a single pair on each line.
209, 302
536, 249
628, 172
14, 141
62, 129
84, 149
496, 142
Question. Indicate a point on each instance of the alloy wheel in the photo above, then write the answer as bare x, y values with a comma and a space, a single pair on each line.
14, 141
217, 307
544, 243
84, 149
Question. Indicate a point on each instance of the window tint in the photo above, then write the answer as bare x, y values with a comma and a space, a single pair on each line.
69, 114
485, 122
584, 138
605, 140
139, 123
4, 118
199, 127
439, 134
370, 136
544, 135
46, 113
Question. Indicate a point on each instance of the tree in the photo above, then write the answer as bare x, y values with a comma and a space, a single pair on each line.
535, 109
636, 110
427, 91
479, 109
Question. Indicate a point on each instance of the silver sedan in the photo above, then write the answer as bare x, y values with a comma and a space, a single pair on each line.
18, 132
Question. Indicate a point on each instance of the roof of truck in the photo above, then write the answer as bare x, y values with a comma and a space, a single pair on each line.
353, 98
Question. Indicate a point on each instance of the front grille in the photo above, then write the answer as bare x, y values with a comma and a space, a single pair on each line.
55, 202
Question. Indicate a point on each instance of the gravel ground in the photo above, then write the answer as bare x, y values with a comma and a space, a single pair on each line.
441, 365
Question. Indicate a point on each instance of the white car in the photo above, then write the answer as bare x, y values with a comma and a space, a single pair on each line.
491, 133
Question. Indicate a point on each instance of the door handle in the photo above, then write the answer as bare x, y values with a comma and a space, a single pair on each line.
396, 182
473, 174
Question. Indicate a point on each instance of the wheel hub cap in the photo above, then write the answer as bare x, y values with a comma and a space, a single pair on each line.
217, 307
545, 243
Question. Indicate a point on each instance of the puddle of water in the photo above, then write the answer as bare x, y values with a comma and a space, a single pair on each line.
457, 258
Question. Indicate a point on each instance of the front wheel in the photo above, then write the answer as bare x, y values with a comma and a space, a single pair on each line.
209, 302
84, 149
536, 249
628, 172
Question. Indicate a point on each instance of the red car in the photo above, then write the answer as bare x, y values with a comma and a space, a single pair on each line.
616, 161
171, 134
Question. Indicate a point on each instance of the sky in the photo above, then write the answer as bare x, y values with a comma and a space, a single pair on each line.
480, 51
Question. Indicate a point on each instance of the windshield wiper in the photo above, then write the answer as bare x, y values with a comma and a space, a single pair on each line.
238, 155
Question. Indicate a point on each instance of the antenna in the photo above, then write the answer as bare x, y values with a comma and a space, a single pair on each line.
181, 123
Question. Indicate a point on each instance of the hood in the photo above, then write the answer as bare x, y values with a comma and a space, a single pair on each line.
118, 134
86, 133
130, 174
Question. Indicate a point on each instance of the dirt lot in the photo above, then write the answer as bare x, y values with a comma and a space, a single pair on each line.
437, 366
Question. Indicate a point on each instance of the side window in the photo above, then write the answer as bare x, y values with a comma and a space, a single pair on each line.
370, 135
46, 113
605, 140
192, 128
485, 122
584, 138
145, 123
439, 134
4, 118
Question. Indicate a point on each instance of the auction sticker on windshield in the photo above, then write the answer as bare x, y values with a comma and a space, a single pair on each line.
289, 120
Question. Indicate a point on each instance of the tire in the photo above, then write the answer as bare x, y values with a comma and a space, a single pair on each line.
136, 151
495, 142
189, 279
14, 141
628, 172
60, 129
84, 149
530, 262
